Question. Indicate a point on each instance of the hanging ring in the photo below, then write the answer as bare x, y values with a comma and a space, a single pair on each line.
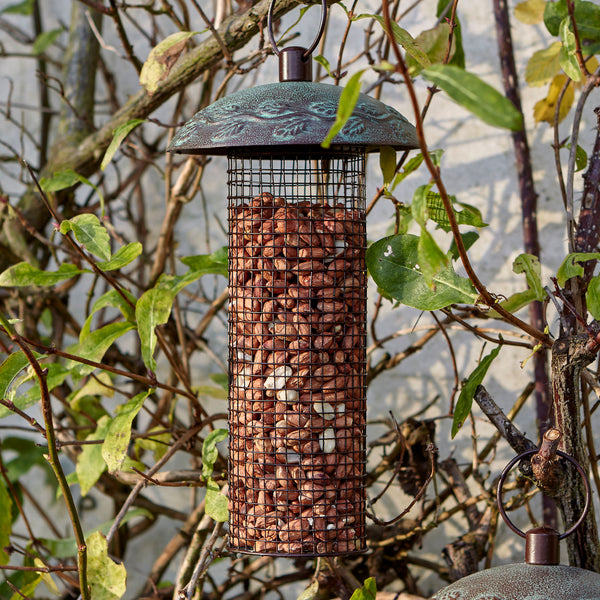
310, 50
579, 468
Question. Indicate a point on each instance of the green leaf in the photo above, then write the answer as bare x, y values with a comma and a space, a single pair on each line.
23, 274
55, 377
94, 345
543, 65
434, 42
157, 443
592, 297
221, 379
90, 233
205, 264
106, 578
572, 267
114, 299
210, 390
530, 12
412, 165
587, 17
5, 522
515, 302
387, 162
67, 547
310, 592
10, 368
90, 463
403, 38
28, 454
480, 98
468, 239
324, 63
62, 180
470, 215
581, 158
393, 264
44, 40
20, 8
431, 258
418, 208
119, 134
467, 393
31, 582
210, 452
567, 55
161, 59
348, 100
122, 257
216, 503
367, 592
530, 266
154, 307
116, 442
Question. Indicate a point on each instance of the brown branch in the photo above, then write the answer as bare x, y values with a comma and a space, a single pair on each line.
528, 196
518, 442
546, 468
570, 355
578, 51
587, 234
54, 461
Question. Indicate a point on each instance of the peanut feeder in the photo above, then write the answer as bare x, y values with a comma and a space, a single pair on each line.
297, 311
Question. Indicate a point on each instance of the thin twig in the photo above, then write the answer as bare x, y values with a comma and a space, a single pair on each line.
54, 459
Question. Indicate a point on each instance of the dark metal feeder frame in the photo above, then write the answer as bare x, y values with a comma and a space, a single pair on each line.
297, 312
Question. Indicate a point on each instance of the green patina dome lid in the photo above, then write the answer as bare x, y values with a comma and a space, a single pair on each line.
291, 116
525, 582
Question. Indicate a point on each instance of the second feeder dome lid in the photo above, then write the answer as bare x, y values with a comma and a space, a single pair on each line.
295, 115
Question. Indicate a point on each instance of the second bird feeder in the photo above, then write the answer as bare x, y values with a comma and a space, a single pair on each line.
297, 311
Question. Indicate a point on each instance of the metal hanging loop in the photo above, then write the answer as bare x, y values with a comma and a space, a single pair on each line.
511, 464
308, 51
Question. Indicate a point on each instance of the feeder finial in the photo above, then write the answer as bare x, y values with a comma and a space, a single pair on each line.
295, 62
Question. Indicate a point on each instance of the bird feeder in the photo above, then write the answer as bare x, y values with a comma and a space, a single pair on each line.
541, 577
297, 310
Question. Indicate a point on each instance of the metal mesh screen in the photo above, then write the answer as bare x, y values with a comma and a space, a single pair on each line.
297, 400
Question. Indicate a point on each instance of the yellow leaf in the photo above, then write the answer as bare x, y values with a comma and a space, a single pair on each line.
544, 109
47, 578
106, 578
543, 65
592, 64
530, 12
161, 59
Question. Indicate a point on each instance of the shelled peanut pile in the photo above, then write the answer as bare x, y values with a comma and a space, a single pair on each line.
297, 384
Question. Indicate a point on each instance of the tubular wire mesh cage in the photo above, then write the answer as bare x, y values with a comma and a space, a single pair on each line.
297, 364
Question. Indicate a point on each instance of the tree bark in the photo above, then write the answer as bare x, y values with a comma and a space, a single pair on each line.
569, 356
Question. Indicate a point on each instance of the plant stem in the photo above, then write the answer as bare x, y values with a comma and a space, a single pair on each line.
485, 295
54, 459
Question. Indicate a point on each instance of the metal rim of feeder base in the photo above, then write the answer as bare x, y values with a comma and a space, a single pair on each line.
296, 554
525, 582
